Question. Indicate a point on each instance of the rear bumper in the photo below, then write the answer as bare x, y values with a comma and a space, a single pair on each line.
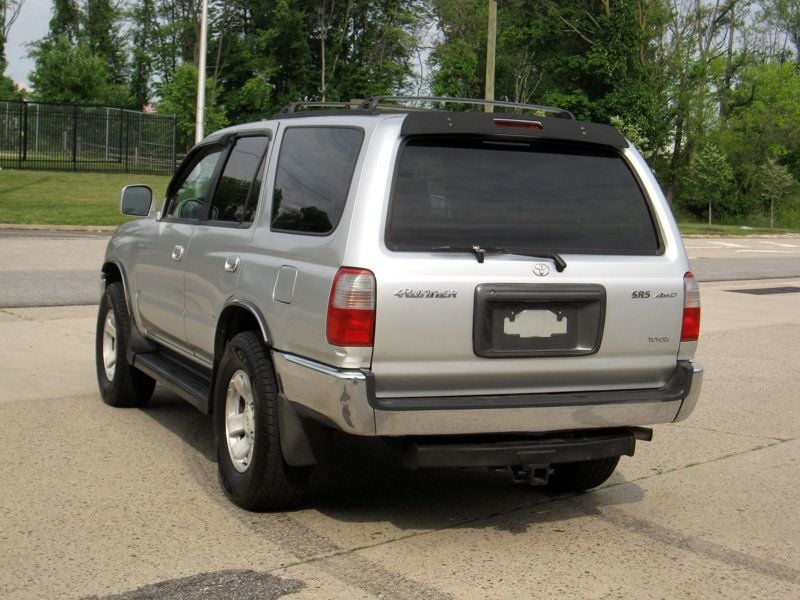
344, 399
544, 450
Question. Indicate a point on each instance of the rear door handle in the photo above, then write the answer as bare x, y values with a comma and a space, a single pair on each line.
177, 253
231, 263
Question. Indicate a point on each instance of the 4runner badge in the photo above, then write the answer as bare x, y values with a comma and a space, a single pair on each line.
409, 293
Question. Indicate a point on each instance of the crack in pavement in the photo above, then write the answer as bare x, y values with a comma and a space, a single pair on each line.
695, 545
634, 524
749, 435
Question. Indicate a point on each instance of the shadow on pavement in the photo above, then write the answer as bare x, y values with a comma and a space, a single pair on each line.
365, 482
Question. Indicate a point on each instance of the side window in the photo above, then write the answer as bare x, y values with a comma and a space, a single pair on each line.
236, 195
186, 202
314, 171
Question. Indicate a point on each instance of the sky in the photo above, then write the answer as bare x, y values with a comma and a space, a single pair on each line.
30, 27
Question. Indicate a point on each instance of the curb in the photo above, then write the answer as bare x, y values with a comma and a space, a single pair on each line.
29, 227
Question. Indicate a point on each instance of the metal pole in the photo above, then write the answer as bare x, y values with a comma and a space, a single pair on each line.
174, 144
107, 124
491, 38
127, 126
75, 138
20, 133
201, 76
25, 132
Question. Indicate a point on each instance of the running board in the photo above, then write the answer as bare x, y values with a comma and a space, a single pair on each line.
189, 380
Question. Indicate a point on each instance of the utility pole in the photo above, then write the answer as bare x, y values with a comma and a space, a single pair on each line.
491, 39
201, 76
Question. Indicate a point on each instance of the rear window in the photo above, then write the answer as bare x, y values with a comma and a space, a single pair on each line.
522, 197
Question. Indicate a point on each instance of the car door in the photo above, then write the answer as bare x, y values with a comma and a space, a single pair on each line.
217, 253
159, 282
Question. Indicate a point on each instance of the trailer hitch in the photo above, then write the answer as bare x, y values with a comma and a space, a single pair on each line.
534, 475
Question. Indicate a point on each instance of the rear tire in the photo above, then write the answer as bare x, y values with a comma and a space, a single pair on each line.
252, 469
581, 476
120, 384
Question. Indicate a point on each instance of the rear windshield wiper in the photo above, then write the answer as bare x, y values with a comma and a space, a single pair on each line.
559, 261
480, 253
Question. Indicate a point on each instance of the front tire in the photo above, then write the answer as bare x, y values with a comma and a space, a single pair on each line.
120, 384
581, 476
252, 470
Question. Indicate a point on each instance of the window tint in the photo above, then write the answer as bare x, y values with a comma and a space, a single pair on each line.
237, 192
518, 196
314, 172
187, 201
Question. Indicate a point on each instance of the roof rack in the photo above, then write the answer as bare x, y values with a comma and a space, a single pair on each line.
374, 102
294, 106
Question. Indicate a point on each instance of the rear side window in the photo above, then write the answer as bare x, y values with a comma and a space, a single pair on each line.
521, 197
236, 195
314, 171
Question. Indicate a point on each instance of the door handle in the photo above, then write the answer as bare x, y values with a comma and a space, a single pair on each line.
177, 253
231, 263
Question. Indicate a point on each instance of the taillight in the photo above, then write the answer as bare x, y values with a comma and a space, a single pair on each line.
351, 308
690, 330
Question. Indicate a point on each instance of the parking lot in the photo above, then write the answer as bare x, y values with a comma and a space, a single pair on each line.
103, 502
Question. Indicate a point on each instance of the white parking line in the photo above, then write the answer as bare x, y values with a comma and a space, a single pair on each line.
767, 251
729, 244
782, 245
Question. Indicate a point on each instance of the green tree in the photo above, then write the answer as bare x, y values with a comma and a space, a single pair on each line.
67, 73
595, 59
66, 20
179, 97
708, 185
766, 124
101, 21
9, 90
142, 40
9, 12
175, 35
266, 53
775, 186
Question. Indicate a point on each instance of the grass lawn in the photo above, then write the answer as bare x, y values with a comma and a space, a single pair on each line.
53, 198
728, 230
57, 198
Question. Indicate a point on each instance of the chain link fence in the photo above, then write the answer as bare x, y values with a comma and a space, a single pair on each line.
67, 137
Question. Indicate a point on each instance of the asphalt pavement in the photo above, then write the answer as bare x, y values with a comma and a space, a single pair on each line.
109, 503
113, 503
63, 268
48, 268
731, 259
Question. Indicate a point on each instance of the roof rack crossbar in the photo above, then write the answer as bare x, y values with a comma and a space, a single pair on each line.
373, 102
294, 106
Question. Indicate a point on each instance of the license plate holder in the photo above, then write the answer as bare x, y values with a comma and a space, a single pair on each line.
520, 320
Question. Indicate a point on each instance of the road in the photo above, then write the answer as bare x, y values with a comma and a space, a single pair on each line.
61, 269
729, 259
109, 503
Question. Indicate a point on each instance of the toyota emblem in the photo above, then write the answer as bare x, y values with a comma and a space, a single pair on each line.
541, 269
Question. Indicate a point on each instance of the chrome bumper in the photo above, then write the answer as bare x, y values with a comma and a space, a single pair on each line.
688, 404
342, 399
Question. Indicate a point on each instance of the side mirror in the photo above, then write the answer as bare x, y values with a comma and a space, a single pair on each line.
136, 200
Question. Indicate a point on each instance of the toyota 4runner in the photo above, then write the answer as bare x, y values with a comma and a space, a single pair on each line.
494, 289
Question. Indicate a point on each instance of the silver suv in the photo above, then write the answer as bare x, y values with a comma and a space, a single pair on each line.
493, 289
